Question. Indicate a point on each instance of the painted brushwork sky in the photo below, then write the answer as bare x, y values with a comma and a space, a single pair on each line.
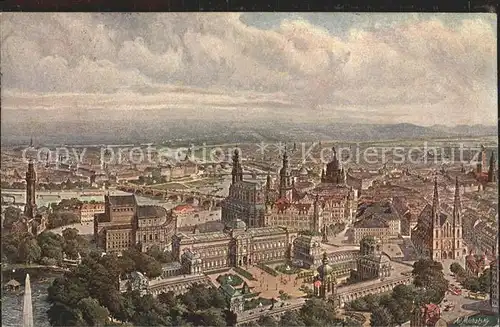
369, 67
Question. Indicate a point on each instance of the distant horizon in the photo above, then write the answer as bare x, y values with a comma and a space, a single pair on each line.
185, 131
86, 116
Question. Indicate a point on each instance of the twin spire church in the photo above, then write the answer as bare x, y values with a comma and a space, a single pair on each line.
438, 234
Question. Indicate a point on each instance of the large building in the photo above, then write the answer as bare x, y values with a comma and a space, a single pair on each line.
88, 210
438, 235
35, 219
295, 201
235, 246
379, 215
246, 199
124, 224
372, 263
369, 226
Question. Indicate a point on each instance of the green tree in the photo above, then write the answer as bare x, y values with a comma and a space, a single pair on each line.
457, 269
168, 299
428, 274
267, 321
401, 303
485, 281
159, 255
316, 312
11, 243
381, 317
61, 315
11, 215
29, 251
92, 313
291, 318
211, 317
51, 245
70, 234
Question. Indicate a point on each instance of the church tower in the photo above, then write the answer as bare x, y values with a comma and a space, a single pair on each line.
458, 243
286, 186
237, 172
29, 209
492, 177
334, 172
436, 224
317, 214
269, 189
481, 163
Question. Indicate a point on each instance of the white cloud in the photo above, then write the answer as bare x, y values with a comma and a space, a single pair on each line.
424, 66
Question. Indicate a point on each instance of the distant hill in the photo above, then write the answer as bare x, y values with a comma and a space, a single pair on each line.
466, 130
93, 128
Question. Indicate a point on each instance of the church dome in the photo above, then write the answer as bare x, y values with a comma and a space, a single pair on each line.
239, 224
303, 171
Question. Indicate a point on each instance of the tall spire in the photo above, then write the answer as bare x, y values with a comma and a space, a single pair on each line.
29, 209
286, 186
237, 172
28, 305
457, 205
31, 142
268, 180
491, 169
435, 203
285, 159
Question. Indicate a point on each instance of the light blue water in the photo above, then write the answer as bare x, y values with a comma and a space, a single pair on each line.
12, 305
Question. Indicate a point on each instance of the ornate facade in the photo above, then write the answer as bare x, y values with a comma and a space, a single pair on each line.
295, 202
237, 246
124, 224
438, 235
309, 208
246, 199
372, 263
334, 173
325, 282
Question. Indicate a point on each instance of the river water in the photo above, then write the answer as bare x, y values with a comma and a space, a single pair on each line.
12, 303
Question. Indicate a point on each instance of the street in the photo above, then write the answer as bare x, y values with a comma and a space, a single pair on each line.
463, 305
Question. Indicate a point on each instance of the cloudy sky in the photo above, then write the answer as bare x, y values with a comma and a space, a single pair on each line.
384, 68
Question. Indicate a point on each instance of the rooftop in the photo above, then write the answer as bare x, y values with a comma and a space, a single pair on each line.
121, 200
204, 237
371, 221
150, 211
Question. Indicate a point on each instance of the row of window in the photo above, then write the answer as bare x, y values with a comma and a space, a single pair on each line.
122, 209
118, 244
118, 236
145, 237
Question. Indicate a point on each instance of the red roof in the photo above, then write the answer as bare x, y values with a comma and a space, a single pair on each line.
183, 208
282, 200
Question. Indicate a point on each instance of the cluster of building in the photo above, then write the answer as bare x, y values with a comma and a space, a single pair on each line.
95, 170
125, 224
296, 202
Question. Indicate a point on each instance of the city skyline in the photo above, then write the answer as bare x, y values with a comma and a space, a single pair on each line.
365, 67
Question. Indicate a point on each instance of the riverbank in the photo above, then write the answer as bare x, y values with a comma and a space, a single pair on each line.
11, 267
